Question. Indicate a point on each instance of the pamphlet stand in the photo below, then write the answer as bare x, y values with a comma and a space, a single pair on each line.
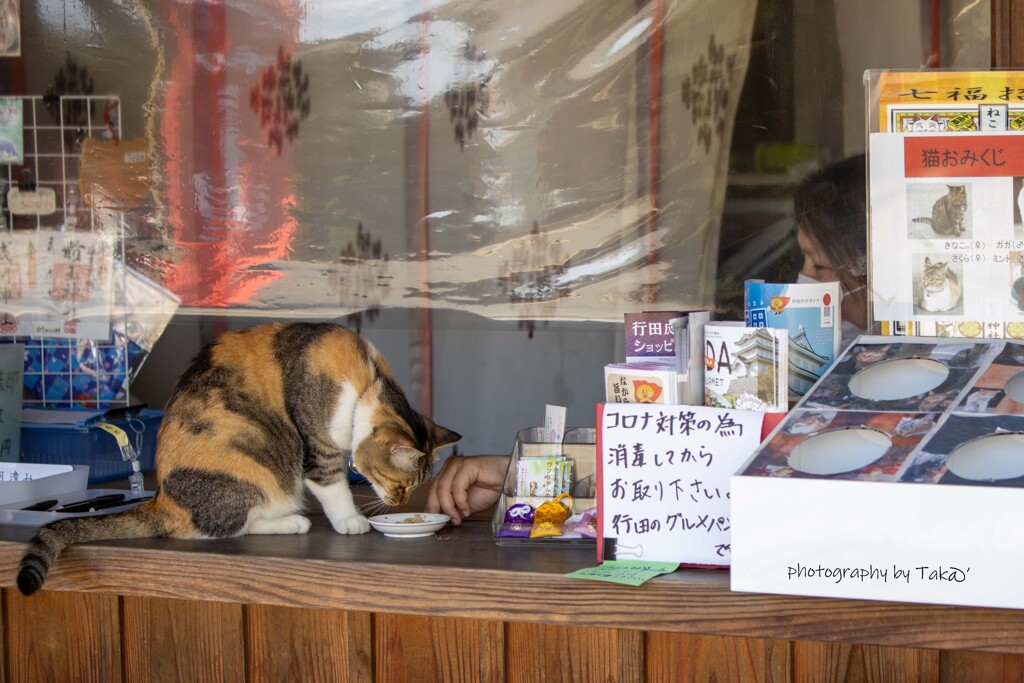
579, 448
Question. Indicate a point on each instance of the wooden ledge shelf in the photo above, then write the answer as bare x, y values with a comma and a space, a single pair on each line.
499, 597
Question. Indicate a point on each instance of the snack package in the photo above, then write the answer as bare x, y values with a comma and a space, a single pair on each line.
518, 521
586, 525
549, 517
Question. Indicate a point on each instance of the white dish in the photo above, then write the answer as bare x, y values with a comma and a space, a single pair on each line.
408, 524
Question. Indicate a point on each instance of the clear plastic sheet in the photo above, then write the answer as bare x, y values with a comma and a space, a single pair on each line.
525, 171
539, 160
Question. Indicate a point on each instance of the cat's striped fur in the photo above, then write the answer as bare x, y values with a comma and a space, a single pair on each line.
256, 416
948, 212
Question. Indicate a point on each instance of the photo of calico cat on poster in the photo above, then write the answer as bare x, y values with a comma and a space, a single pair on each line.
259, 416
939, 210
937, 285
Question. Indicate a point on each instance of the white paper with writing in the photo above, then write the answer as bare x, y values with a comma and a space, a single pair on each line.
56, 284
28, 471
664, 475
554, 423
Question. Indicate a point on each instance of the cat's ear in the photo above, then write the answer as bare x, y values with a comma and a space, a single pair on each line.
927, 261
406, 458
441, 436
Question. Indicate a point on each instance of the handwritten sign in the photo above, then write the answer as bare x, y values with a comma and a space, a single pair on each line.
30, 471
663, 479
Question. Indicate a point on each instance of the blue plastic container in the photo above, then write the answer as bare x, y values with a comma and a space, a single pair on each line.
74, 445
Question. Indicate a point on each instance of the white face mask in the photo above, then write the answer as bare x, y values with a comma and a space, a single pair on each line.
802, 279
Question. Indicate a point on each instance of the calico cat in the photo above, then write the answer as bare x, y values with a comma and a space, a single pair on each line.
938, 289
257, 415
948, 212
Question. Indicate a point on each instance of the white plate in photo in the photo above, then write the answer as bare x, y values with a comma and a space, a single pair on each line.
408, 524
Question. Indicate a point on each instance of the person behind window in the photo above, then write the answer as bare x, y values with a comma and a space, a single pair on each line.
831, 214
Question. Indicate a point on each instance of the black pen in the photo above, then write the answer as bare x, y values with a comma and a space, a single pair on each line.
118, 413
117, 503
42, 505
86, 505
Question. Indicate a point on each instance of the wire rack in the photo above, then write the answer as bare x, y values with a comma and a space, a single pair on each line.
68, 372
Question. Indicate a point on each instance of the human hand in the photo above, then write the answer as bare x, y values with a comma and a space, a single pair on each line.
466, 485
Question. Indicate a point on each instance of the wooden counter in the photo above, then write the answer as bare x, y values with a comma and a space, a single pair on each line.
455, 607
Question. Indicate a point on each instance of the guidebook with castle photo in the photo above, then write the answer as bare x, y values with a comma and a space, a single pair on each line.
746, 367
810, 313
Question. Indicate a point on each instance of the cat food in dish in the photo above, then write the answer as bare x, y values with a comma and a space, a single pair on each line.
408, 524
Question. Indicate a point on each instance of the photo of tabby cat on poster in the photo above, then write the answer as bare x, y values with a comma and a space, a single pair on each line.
939, 210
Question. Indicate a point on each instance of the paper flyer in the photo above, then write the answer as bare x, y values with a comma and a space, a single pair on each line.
12, 135
946, 239
56, 284
810, 312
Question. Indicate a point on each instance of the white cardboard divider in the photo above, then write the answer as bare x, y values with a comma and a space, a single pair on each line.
938, 517
958, 545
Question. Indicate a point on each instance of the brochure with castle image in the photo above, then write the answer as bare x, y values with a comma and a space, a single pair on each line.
810, 314
746, 367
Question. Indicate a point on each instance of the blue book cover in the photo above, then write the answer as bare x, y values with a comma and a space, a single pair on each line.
810, 313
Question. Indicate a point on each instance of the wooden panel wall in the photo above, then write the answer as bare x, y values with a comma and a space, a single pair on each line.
1007, 33
62, 636
104, 638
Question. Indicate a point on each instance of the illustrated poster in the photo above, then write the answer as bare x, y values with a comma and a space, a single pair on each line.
931, 101
946, 243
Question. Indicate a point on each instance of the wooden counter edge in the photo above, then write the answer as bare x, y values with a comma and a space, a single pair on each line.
679, 604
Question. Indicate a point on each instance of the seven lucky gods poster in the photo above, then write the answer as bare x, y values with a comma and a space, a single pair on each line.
946, 238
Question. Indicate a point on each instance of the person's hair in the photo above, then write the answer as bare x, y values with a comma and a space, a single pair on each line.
831, 207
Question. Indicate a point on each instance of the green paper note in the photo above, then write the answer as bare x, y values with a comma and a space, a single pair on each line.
629, 572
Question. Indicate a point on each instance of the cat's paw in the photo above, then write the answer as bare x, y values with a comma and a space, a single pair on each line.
351, 525
290, 524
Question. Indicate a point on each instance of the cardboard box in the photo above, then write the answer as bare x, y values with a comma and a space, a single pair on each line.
914, 498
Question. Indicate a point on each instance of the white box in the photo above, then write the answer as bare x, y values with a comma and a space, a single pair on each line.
45, 486
911, 498
963, 545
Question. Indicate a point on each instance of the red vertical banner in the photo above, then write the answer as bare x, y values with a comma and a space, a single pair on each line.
229, 187
423, 314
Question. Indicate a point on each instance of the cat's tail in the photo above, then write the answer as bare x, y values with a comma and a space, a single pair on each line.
921, 220
142, 521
